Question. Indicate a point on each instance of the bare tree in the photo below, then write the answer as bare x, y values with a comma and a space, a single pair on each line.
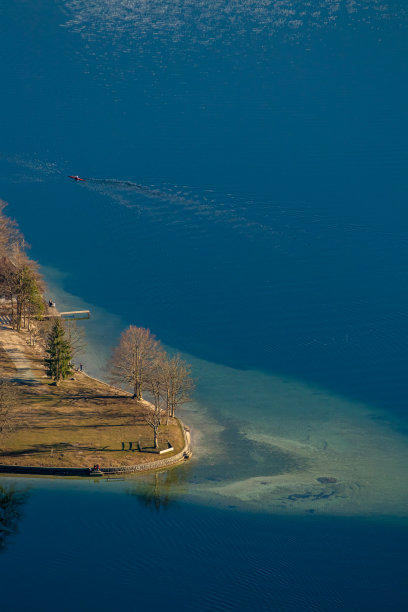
22, 286
178, 383
155, 382
133, 358
7, 284
75, 335
8, 402
34, 328
44, 329
28, 288
9, 233
153, 417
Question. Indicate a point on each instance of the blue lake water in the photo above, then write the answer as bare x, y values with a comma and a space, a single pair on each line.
85, 548
246, 201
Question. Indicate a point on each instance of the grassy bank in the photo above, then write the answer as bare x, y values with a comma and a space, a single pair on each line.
76, 424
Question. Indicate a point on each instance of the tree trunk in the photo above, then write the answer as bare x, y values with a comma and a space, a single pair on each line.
137, 391
167, 407
18, 314
12, 310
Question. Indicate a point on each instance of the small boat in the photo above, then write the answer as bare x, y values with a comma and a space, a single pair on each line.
76, 178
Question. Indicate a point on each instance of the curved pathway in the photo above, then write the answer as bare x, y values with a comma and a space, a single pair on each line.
15, 347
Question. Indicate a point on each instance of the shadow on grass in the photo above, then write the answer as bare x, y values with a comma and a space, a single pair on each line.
60, 447
37, 449
66, 447
77, 427
84, 394
26, 382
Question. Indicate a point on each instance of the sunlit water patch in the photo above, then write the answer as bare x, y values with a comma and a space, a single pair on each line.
207, 22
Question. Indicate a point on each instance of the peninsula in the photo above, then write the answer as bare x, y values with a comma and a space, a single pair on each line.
54, 417
79, 423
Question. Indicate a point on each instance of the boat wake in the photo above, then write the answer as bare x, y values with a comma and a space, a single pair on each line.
129, 186
176, 205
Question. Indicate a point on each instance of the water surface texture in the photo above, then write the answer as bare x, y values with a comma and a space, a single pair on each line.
246, 193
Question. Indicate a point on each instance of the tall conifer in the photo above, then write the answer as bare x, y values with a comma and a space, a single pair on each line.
59, 353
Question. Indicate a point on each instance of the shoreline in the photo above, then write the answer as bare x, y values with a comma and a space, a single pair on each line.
27, 470
334, 436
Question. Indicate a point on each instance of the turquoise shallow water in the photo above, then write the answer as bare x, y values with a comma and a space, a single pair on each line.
262, 442
248, 204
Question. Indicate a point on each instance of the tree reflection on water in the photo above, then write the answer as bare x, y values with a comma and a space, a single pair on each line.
160, 490
12, 500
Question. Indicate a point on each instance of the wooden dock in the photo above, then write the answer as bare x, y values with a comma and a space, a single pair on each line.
72, 315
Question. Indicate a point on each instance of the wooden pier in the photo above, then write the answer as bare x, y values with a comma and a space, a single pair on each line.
72, 315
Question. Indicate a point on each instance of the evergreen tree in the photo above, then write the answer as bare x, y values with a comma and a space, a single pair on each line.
59, 353
30, 302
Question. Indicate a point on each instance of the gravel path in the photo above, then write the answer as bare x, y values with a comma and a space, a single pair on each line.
15, 346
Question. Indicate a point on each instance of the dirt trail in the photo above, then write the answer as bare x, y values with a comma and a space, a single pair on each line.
15, 346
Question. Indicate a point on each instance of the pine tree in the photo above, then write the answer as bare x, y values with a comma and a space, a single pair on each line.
59, 353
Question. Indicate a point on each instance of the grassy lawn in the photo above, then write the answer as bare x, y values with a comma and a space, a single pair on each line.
78, 423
